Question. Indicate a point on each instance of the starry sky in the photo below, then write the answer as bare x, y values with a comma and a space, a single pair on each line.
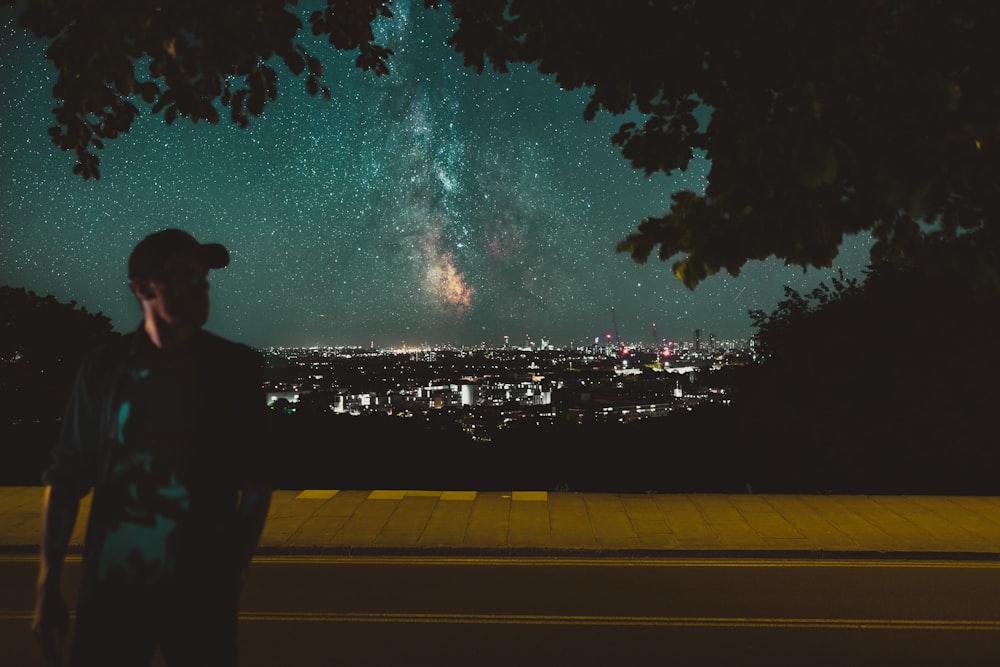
431, 206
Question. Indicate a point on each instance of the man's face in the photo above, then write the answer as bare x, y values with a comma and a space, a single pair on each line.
181, 293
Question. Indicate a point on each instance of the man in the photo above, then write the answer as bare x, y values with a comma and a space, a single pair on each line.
166, 426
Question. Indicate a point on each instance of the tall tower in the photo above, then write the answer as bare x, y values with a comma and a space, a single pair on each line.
697, 340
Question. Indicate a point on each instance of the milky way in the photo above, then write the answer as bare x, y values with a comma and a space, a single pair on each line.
432, 205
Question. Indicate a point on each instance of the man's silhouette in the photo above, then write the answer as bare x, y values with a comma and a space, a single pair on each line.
166, 426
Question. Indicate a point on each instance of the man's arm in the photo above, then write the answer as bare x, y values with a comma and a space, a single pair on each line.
67, 479
50, 625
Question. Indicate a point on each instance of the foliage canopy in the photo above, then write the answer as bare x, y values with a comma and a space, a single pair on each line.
42, 342
820, 119
876, 385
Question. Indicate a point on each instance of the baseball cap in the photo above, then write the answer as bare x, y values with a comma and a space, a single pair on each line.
152, 254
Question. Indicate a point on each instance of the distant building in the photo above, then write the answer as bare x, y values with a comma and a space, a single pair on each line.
274, 396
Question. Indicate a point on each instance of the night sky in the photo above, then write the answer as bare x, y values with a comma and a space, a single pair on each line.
431, 206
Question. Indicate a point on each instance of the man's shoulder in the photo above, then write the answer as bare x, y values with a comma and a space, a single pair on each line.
228, 350
111, 350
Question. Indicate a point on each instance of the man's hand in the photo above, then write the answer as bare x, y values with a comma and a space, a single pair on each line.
51, 626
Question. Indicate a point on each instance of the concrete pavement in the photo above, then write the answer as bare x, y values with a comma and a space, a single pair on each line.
538, 523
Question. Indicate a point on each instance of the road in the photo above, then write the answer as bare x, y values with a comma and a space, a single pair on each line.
501, 611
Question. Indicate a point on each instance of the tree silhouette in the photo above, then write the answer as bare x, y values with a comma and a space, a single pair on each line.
42, 342
197, 56
883, 386
780, 332
819, 119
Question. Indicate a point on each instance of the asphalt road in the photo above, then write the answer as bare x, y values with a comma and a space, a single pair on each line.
501, 611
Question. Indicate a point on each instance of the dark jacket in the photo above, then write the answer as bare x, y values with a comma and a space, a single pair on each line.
167, 442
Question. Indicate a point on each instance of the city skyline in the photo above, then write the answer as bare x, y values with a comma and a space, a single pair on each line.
429, 206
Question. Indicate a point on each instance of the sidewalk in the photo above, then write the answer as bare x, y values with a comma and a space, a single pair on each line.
537, 523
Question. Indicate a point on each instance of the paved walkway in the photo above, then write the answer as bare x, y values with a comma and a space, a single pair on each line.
594, 524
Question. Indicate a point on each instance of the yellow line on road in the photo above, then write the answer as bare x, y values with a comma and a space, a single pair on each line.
630, 621
636, 621
638, 561
562, 561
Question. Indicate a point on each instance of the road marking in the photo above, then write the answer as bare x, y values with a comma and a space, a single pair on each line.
638, 561
317, 494
631, 621
399, 494
386, 494
542, 496
569, 561
637, 621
